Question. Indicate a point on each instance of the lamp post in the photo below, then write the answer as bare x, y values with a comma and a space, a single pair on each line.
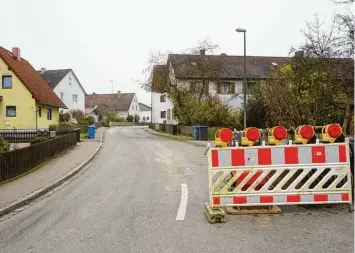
245, 86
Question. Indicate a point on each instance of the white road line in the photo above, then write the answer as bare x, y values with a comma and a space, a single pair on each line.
183, 202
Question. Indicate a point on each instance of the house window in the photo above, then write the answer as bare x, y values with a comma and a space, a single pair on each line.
163, 98
163, 114
49, 114
225, 88
70, 84
7, 82
39, 112
10, 111
62, 95
143, 118
147, 118
75, 98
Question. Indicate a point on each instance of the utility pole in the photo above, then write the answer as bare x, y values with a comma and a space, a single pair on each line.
112, 84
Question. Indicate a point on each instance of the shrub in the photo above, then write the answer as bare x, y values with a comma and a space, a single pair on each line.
129, 118
52, 127
4, 146
78, 115
90, 120
110, 117
65, 127
136, 118
39, 140
66, 117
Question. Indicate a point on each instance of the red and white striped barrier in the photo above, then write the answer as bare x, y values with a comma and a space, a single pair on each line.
279, 155
280, 175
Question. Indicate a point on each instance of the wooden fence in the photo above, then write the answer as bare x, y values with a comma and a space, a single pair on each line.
17, 162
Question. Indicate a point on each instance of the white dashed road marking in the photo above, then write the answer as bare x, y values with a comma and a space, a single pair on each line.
183, 202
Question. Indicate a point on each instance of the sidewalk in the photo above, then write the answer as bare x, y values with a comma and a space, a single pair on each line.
181, 138
49, 172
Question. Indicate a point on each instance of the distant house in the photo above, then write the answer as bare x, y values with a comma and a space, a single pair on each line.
93, 111
146, 113
123, 104
223, 77
26, 100
67, 87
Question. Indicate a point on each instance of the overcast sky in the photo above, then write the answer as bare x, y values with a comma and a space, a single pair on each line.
112, 39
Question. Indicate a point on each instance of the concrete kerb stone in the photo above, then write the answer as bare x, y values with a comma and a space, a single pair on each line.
37, 193
171, 136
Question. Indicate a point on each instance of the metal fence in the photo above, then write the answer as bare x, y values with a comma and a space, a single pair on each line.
22, 136
17, 162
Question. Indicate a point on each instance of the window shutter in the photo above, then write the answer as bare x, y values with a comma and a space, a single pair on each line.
233, 87
218, 87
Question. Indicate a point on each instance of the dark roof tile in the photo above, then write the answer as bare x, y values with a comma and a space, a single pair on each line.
109, 102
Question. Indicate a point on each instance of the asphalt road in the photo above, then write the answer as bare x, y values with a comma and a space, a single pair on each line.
128, 201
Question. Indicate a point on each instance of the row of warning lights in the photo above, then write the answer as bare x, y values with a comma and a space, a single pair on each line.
292, 155
278, 133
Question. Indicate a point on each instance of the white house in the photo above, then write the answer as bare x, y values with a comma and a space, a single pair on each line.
67, 87
219, 75
123, 104
146, 113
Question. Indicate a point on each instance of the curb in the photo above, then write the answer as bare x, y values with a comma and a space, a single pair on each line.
171, 137
39, 192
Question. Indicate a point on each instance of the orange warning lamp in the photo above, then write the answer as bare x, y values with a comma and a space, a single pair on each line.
249, 136
303, 134
276, 135
223, 137
331, 132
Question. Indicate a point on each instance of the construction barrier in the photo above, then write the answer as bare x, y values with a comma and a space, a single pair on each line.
279, 175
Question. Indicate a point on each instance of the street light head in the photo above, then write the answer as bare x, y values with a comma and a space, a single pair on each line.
240, 30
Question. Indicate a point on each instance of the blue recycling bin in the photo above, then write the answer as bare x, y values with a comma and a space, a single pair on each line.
200, 133
196, 133
91, 131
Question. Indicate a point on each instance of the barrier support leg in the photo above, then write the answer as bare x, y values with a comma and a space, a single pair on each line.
215, 214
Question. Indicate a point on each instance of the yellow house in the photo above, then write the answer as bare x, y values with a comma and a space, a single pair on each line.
26, 100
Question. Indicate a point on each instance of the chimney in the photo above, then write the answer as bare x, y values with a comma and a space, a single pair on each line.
299, 54
16, 52
43, 70
118, 91
203, 52
93, 95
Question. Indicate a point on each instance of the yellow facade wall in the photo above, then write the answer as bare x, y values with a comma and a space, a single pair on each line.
43, 121
26, 106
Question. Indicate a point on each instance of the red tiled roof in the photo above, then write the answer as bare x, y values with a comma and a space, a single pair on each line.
31, 79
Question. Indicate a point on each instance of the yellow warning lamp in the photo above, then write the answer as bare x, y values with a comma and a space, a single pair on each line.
276, 135
249, 136
331, 132
303, 134
223, 137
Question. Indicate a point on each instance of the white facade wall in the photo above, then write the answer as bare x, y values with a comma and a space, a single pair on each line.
65, 90
133, 109
146, 116
158, 107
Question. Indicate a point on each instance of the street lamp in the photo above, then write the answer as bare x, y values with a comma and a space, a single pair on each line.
245, 86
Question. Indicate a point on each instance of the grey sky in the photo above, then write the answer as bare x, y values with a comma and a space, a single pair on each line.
111, 39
